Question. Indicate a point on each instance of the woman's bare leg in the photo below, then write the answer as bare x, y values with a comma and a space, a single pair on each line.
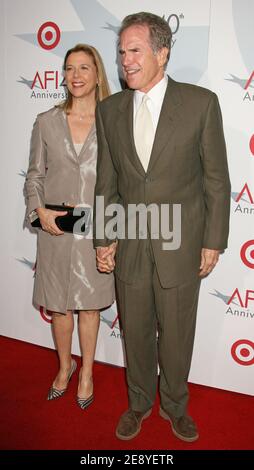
62, 331
89, 322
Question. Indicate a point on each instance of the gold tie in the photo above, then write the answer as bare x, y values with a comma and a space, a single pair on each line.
144, 132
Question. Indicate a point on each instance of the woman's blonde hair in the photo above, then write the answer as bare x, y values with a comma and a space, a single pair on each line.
102, 90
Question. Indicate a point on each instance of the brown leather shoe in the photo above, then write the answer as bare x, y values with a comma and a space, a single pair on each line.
130, 424
184, 427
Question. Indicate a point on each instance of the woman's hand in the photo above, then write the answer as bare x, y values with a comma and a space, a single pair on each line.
105, 257
47, 219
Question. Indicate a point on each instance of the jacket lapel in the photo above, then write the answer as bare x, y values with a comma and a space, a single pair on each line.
125, 131
68, 143
169, 118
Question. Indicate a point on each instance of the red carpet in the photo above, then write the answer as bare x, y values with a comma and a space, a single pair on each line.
29, 421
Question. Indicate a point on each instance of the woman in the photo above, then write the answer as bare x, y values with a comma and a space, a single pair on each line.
62, 169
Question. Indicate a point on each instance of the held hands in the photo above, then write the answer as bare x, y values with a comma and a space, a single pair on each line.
47, 218
106, 262
209, 259
105, 257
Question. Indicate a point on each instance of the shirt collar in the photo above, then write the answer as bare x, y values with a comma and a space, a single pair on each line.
156, 94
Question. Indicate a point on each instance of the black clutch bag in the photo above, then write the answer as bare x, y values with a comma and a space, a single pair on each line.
75, 221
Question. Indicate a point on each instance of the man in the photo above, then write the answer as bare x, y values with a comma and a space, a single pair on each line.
180, 161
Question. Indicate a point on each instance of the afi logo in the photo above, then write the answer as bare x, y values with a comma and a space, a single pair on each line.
244, 300
249, 81
245, 191
242, 352
48, 76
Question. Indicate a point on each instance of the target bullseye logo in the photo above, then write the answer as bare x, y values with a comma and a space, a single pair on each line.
243, 352
252, 144
247, 253
48, 35
45, 315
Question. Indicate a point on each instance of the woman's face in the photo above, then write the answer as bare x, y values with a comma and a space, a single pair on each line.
81, 75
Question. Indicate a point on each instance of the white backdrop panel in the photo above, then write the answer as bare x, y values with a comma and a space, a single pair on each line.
210, 49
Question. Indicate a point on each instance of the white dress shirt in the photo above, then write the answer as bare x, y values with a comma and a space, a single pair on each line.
156, 95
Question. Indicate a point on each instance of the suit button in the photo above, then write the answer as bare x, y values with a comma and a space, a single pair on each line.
147, 179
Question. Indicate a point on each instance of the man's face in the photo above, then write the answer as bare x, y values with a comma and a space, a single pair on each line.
142, 68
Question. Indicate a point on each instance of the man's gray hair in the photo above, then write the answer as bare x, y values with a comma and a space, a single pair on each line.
160, 32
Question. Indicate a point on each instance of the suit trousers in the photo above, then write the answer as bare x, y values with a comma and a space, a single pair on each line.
158, 327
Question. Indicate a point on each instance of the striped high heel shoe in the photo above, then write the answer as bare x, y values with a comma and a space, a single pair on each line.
83, 403
54, 393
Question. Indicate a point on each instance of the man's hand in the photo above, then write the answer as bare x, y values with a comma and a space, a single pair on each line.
47, 218
105, 256
209, 259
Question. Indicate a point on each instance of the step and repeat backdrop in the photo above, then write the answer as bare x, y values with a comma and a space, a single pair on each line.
212, 47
